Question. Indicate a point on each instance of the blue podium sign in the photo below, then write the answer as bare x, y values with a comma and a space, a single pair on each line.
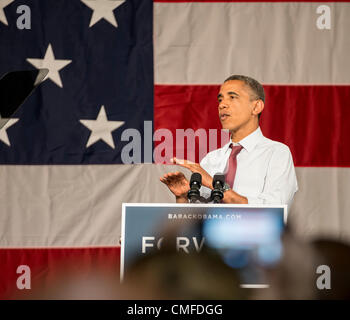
227, 228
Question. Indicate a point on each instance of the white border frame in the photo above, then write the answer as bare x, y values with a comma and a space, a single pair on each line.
187, 205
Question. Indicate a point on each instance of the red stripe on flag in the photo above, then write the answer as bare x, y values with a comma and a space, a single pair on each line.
312, 120
46, 267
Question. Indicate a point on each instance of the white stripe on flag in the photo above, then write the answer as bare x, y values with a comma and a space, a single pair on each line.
321, 206
72, 206
276, 43
80, 206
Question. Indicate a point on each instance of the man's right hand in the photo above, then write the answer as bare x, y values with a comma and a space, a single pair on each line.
177, 184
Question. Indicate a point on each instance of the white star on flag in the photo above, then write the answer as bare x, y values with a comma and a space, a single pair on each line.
3, 133
103, 9
101, 128
49, 62
3, 4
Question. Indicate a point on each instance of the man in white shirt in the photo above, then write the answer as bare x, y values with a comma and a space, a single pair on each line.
260, 170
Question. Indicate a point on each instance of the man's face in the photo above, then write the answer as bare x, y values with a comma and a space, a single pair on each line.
235, 105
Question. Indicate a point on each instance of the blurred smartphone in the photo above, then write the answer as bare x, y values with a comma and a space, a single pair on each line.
15, 88
249, 244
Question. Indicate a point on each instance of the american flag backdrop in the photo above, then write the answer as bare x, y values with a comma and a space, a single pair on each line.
120, 67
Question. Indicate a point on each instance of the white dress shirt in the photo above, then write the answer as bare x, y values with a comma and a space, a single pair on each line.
265, 170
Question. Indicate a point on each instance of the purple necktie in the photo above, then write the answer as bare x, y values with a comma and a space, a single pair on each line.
232, 164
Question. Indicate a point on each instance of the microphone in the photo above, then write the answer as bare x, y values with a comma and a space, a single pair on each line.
195, 184
218, 184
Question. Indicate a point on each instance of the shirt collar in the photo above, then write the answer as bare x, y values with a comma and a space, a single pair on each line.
249, 142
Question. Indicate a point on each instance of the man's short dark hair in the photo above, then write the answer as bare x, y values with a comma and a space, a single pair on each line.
257, 90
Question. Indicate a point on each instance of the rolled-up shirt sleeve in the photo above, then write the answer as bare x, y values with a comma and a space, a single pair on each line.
280, 181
